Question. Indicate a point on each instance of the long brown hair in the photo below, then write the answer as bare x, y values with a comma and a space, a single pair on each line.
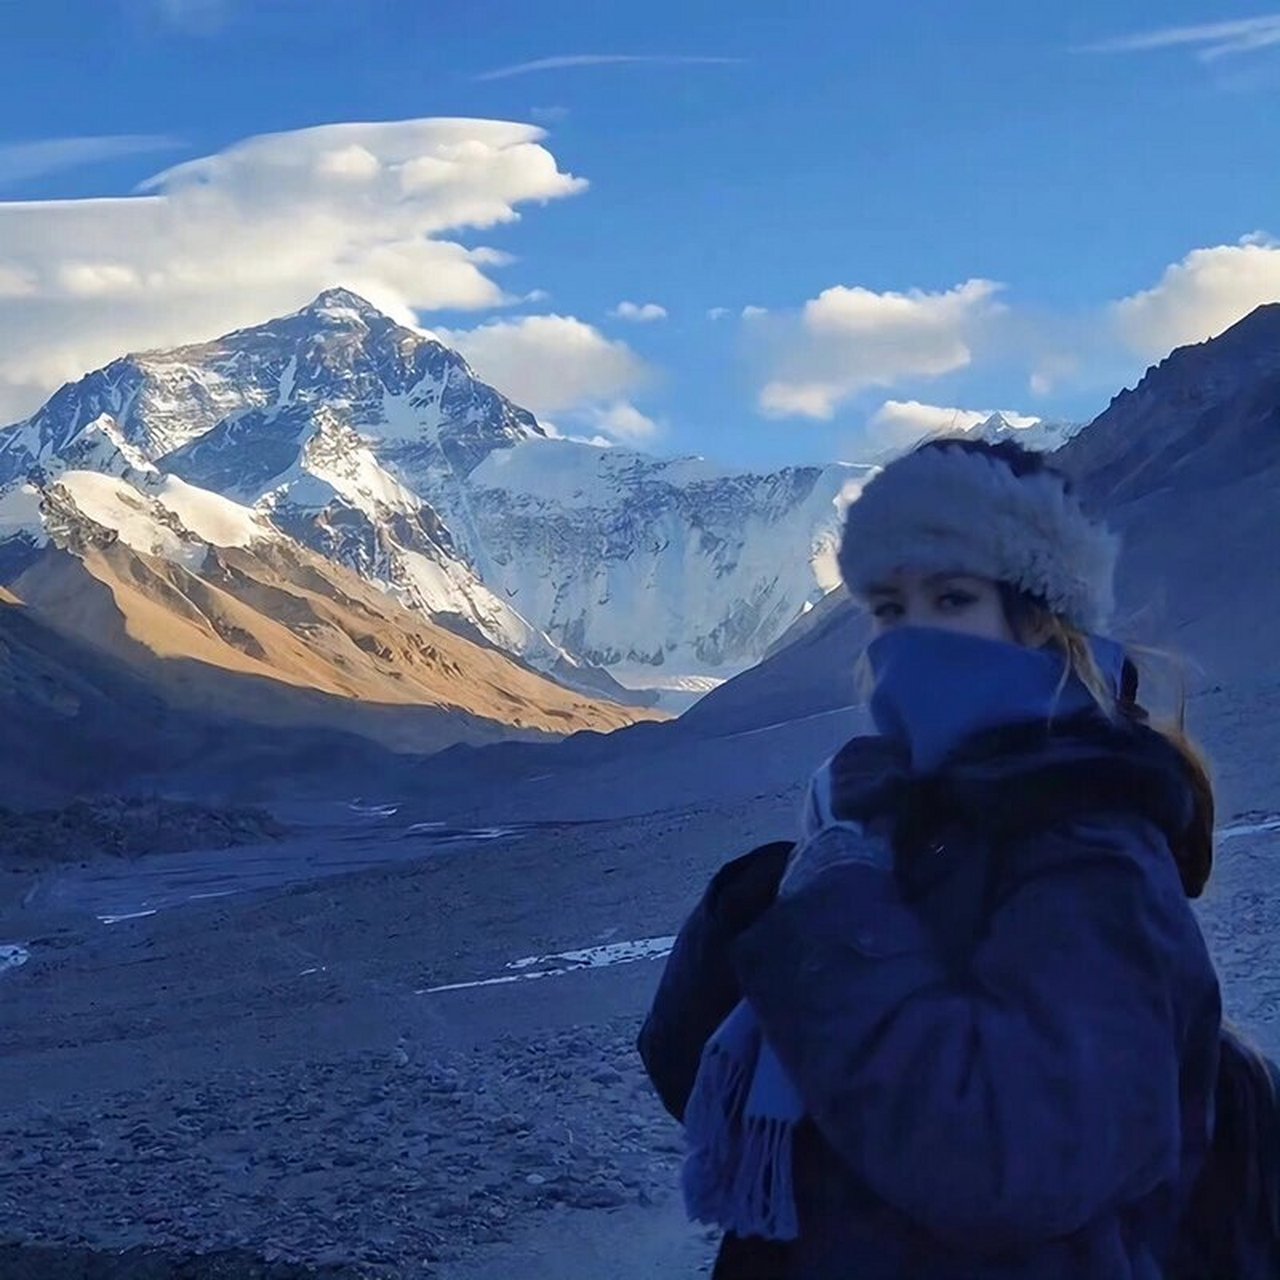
1033, 624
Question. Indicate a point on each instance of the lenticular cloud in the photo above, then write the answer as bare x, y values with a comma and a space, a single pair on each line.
218, 242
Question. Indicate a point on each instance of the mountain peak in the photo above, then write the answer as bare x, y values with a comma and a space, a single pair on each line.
1254, 335
342, 304
997, 422
1265, 317
1249, 348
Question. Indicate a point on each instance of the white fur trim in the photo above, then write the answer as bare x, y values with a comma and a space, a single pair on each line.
946, 510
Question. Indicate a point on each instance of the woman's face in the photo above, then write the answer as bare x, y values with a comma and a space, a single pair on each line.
950, 601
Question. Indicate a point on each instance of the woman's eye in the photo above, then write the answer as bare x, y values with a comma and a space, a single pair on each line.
954, 600
886, 612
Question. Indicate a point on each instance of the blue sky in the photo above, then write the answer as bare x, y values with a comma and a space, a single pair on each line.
928, 206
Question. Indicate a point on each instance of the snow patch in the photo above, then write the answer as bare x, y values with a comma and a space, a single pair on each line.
127, 915
288, 378
531, 968
12, 955
848, 709
648, 678
1259, 827
442, 835
211, 517
373, 810
117, 505
416, 416
603, 956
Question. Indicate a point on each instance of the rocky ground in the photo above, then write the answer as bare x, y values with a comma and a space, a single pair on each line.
126, 827
273, 1084
392, 1162
266, 1080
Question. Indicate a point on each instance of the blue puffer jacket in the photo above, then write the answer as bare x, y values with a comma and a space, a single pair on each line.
1007, 1046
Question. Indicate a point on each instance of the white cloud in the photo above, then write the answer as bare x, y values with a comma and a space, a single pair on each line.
550, 364
256, 231
554, 433
624, 423
561, 366
641, 313
750, 312
849, 339
1199, 297
21, 161
565, 61
1052, 369
717, 313
16, 283
1212, 39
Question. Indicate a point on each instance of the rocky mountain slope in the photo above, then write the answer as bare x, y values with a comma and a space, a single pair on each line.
74, 720
185, 619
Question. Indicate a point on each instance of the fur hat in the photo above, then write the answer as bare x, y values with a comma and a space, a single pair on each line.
945, 508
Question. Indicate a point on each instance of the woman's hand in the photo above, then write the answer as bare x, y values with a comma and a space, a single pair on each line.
833, 847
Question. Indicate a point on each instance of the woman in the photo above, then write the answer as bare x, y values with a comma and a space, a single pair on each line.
968, 1027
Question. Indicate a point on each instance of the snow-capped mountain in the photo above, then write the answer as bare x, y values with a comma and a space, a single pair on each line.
1044, 434
648, 566
152, 513
377, 446
338, 351
282, 417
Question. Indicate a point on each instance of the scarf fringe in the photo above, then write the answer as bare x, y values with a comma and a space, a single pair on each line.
738, 1173
763, 1198
717, 1100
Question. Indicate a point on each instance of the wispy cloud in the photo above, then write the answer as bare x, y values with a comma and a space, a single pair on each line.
22, 161
1212, 40
639, 312
561, 62
198, 17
